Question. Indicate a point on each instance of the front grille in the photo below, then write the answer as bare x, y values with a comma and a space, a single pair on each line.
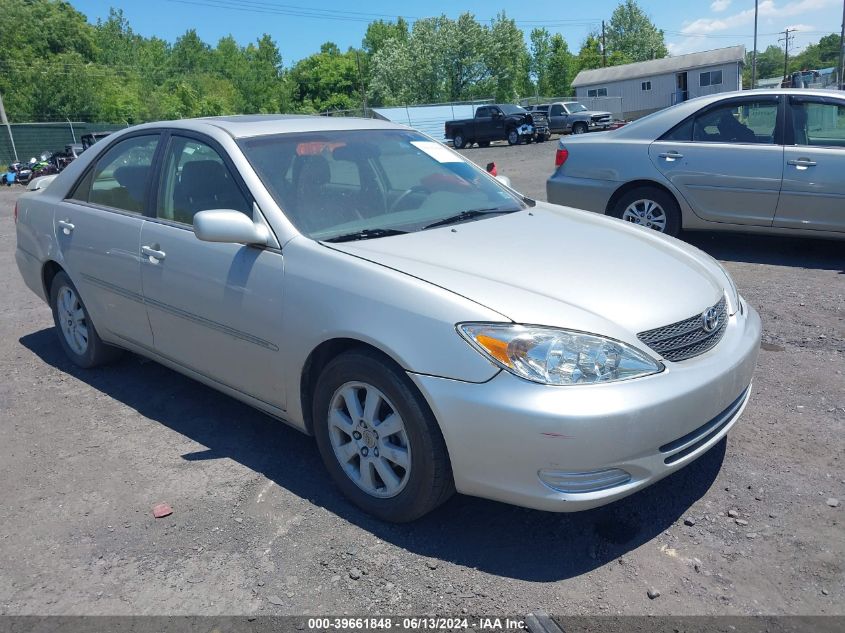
688, 338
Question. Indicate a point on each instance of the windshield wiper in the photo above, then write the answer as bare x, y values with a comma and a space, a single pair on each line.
365, 234
469, 214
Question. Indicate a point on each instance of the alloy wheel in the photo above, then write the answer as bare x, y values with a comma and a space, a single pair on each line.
369, 439
72, 319
646, 213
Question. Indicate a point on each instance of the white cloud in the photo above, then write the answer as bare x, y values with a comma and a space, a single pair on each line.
717, 6
767, 9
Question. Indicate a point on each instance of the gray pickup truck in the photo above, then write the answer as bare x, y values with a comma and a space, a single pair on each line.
573, 117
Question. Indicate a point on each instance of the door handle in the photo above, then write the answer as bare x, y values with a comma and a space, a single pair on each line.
670, 156
801, 163
152, 253
67, 227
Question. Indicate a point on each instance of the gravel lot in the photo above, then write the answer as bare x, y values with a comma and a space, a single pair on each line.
258, 528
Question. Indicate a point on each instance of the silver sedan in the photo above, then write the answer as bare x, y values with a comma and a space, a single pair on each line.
369, 286
763, 161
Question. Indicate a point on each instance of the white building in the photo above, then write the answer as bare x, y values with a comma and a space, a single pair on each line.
644, 87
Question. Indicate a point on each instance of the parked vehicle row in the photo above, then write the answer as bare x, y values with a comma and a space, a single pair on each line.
763, 161
567, 117
503, 122
370, 286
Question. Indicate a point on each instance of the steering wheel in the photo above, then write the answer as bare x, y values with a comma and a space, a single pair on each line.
405, 194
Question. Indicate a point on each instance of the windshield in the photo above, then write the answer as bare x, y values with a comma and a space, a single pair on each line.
576, 107
512, 109
331, 184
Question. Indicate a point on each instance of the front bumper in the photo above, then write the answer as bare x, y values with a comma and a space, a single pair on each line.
502, 433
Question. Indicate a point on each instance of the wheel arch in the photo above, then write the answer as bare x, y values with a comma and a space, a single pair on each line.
49, 270
636, 184
321, 356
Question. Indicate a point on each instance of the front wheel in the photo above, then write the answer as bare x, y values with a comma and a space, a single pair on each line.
513, 137
77, 335
650, 207
378, 438
579, 128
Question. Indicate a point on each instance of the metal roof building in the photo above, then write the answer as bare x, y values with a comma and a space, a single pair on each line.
651, 85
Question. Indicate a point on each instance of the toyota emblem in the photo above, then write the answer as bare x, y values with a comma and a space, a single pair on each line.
710, 319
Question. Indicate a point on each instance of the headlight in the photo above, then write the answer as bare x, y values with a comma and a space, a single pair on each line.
553, 356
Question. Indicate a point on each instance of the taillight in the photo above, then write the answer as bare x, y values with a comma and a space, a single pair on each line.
561, 156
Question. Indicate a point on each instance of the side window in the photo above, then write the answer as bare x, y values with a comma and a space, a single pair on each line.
597, 92
710, 78
557, 110
120, 177
748, 122
818, 123
646, 85
482, 112
194, 179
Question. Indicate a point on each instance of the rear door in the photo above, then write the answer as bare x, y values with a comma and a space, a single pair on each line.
727, 160
98, 230
813, 192
483, 125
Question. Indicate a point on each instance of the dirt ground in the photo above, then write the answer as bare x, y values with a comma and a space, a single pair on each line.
258, 528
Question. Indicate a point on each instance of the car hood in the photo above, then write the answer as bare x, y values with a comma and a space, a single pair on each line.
561, 267
593, 113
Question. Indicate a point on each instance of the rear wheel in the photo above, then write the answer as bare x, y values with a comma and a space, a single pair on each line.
77, 335
513, 137
459, 141
378, 438
650, 207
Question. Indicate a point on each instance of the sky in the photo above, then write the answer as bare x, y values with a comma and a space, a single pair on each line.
300, 26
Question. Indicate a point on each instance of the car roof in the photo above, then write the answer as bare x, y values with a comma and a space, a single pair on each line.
249, 125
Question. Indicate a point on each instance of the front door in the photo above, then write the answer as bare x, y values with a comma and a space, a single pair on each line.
98, 229
214, 308
727, 160
813, 193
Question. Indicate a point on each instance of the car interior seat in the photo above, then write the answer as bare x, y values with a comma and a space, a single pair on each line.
203, 185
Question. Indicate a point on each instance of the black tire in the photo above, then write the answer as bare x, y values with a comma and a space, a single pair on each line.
484, 143
665, 200
429, 480
95, 352
459, 141
513, 137
579, 128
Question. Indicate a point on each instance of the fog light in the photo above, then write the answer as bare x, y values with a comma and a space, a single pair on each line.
583, 482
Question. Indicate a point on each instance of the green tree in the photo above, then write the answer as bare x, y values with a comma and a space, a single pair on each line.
507, 60
380, 31
633, 35
541, 58
561, 66
589, 56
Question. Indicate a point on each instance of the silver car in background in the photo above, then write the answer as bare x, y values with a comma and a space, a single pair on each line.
371, 287
762, 161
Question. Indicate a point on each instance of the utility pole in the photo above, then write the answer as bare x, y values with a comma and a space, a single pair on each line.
786, 39
603, 46
842, 51
754, 53
361, 82
5, 122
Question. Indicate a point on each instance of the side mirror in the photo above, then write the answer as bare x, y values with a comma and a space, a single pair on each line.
505, 181
230, 226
